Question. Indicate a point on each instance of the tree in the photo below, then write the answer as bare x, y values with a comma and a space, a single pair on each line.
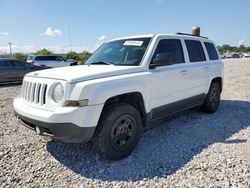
20, 56
43, 52
84, 57
72, 55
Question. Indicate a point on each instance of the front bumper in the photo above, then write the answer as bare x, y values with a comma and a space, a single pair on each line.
70, 124
67, 132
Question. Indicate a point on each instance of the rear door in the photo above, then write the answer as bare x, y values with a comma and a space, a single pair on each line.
46, 61
61, 62
7, 73
20, 69
198, 68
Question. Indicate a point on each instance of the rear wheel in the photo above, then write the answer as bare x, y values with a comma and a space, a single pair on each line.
212, 100
118, 131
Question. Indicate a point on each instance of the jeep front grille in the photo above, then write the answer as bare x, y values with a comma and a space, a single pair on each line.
34, 92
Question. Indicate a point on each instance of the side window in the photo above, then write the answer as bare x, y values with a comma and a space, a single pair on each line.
5, 64
46, 58
58, 58
195, 51
40, 58
17, 63
211, 50
173, 47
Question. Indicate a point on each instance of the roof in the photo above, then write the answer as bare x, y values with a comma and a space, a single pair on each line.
180, 35
5, 58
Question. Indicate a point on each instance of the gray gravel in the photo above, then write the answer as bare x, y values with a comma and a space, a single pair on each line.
192, 149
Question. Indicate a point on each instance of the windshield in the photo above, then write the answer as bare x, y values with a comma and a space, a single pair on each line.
120, 52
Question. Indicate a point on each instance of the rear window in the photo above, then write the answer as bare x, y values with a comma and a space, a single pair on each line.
30, 58
195, 51
46, 58
211, 50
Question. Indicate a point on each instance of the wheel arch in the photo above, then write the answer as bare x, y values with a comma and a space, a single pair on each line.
219, 81
134, 99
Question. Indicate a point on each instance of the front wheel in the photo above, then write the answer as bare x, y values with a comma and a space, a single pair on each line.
118, 131
212, 100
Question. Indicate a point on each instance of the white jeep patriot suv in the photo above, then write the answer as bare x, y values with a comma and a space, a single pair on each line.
124, 85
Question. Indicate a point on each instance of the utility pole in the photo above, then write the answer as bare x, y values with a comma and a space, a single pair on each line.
10, 48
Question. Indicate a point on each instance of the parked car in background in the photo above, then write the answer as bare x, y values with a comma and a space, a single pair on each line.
235, 55
13, 70
246, 55
49, 61
222, 56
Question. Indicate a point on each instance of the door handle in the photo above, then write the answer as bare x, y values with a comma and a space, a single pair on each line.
183, 72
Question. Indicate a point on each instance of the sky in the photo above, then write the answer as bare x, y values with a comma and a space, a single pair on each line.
65, 25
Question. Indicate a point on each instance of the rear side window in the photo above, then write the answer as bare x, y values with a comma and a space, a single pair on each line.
211, 50
195, 51
173, 47
46, 58
5, 63
17, 63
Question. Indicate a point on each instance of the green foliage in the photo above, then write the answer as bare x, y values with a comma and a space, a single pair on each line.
20, 56
72, 55
43, 52
83, 57
227, 48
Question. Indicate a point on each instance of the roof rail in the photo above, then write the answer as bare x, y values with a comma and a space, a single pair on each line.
191, 35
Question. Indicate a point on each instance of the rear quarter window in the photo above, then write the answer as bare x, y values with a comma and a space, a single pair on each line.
211, 50
195, 51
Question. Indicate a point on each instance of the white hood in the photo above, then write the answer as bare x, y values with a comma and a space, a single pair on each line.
80, 73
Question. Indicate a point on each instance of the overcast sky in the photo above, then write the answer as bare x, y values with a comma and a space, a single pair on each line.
78, 25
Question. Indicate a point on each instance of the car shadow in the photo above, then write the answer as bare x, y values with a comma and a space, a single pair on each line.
162, 150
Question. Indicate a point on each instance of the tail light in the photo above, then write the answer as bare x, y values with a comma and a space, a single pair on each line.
30, 62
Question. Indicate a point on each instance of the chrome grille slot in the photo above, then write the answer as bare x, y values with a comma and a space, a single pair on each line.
35, 93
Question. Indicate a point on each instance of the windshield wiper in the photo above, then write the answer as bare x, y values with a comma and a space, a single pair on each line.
102, 63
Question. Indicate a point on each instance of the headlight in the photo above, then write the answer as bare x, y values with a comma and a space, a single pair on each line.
58, 93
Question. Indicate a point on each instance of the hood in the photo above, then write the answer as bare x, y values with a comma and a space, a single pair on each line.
80, 73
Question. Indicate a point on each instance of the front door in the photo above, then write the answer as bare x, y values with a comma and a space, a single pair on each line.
169, 84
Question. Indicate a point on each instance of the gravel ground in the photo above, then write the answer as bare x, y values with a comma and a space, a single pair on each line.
192, 149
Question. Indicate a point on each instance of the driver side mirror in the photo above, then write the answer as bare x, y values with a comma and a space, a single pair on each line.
163, 59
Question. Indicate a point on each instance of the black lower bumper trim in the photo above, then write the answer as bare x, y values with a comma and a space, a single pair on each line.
67, 132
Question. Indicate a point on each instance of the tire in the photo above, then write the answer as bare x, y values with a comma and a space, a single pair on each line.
212, 100
118, 131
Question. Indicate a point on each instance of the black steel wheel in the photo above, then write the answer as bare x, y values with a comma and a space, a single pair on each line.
123, 132
118, 131
212, 101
